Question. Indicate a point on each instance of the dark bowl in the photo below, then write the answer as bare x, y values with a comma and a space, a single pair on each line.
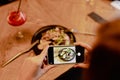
38, 34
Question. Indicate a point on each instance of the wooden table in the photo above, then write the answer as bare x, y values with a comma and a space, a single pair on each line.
69, 13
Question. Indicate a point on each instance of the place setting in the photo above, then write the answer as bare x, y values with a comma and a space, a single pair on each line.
28, 26
52, 34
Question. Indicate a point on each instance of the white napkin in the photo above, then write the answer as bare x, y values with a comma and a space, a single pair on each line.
116, 4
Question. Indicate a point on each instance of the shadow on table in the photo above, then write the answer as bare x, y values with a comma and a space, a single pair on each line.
4, 2
71, 74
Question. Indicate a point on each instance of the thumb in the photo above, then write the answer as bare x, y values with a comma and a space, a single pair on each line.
42, 55
48, 67
81, 65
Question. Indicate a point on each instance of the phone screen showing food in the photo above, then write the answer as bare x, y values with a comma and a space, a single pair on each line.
65, 54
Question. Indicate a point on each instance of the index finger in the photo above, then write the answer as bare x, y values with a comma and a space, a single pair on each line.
86, 46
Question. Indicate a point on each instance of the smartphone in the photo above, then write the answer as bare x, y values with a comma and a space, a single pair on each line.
65, 54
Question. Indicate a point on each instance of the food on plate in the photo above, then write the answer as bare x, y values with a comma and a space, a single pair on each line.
55, 36
66, 54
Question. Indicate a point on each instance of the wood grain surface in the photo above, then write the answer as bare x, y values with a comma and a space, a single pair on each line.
72, 14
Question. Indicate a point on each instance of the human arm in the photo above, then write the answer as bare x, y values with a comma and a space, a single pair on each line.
34, 67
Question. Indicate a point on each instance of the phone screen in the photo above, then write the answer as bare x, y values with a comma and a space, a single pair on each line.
65, 54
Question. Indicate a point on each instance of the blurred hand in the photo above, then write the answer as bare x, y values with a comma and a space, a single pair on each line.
34, 67
88, 48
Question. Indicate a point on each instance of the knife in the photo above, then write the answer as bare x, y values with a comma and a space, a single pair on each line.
97, 18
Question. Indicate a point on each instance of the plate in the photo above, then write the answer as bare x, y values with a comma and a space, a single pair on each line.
39, 33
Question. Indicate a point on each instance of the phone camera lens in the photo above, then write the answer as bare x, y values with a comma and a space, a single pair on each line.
79, 54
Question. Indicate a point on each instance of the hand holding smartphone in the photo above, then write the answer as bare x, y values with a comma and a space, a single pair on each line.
65, 54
